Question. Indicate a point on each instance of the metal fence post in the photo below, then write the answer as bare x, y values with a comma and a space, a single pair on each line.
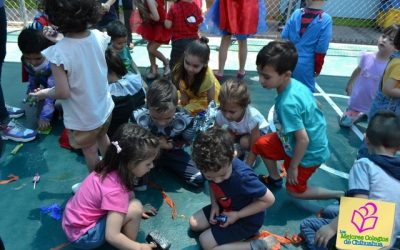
22, 9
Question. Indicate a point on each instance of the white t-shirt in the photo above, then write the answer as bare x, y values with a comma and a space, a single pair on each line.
251, 119
90, 103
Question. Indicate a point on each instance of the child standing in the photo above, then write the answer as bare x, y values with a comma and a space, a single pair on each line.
102, 209
173, 127
388, 95
119, 37
152, 29
125, 88
195, 80
310, 29
239, 18
184, 18
235, 192
245, 123
31, 42
375, 177
364, 81
300, 139
80, 71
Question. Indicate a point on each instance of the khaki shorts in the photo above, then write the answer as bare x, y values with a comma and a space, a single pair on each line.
83, 139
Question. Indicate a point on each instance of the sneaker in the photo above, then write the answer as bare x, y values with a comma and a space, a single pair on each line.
14, 112
345, 121
76, 187
15, 132
269, 182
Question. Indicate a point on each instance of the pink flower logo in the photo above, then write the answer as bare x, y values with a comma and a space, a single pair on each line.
363, 218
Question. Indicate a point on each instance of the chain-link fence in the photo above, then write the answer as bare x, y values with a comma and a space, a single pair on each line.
355, 21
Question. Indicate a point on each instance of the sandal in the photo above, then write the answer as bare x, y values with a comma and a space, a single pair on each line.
269, 182
240, 76
167, 70
151, 76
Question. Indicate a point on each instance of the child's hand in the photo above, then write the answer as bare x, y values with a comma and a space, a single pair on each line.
292, 174
43, 125
184, 99
323, 235
39, 94
148, 211
233, 216
165, 143
148, 246
214, 212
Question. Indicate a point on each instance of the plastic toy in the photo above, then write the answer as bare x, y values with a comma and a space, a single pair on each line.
156, 238
35, 180
221, 219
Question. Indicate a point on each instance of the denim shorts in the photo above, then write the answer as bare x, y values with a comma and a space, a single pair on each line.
239, 37
95, 237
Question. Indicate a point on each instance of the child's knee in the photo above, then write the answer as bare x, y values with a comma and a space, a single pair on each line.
245, 142
135, 209
207, 240
194, 224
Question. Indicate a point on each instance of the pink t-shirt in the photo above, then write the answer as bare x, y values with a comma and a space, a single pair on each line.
95, 197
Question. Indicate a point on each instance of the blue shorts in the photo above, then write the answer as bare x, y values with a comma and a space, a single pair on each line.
242, 229
239, 37
95, 237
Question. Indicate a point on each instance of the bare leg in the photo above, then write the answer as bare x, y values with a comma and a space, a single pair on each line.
198, 221
152, 58
223, 53
272, 168
91, 156
132, 219
242, 55
317, 193
152, 47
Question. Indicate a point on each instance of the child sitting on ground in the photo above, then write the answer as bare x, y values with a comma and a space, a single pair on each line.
364, 80
310, 29
31, 42
300, 139
244, 122
119, 36
376, 177
126, 90
173, 127
195, 80
102, 209
235, 192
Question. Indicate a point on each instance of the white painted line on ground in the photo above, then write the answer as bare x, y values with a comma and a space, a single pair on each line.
338, 111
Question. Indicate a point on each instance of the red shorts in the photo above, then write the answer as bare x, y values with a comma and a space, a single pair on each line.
270, 147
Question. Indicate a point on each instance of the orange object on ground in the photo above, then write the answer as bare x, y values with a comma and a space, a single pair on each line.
166, 198
283, 240
11, 178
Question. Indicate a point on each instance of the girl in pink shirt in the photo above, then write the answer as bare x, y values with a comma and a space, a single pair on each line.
103, 209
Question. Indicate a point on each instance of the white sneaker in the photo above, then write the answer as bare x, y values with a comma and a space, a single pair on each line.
14, 112
16, 132
76, 187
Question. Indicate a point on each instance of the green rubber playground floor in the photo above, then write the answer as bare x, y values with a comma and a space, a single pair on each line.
23, 226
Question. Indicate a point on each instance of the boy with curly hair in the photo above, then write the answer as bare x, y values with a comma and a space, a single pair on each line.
235, 192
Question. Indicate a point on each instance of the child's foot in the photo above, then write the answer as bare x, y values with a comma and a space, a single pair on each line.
218, 75
153, 74
167, 70
269, 182
240, 75
14, 112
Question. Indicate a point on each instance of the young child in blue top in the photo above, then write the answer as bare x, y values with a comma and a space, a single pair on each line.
300, 139
376, 176
310, 29
173, 127
235, 192
31, 42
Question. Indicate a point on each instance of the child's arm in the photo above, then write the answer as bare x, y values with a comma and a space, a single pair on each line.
211, 94
61, 89
254, 134
214, 208
391, 88
153, 10
302, 142
114, 236
256, 206
46, 114
353, 77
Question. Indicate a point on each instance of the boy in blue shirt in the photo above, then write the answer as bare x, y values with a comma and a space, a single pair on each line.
235, 192
300, 139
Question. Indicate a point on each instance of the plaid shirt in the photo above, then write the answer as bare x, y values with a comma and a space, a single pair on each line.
186, 18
